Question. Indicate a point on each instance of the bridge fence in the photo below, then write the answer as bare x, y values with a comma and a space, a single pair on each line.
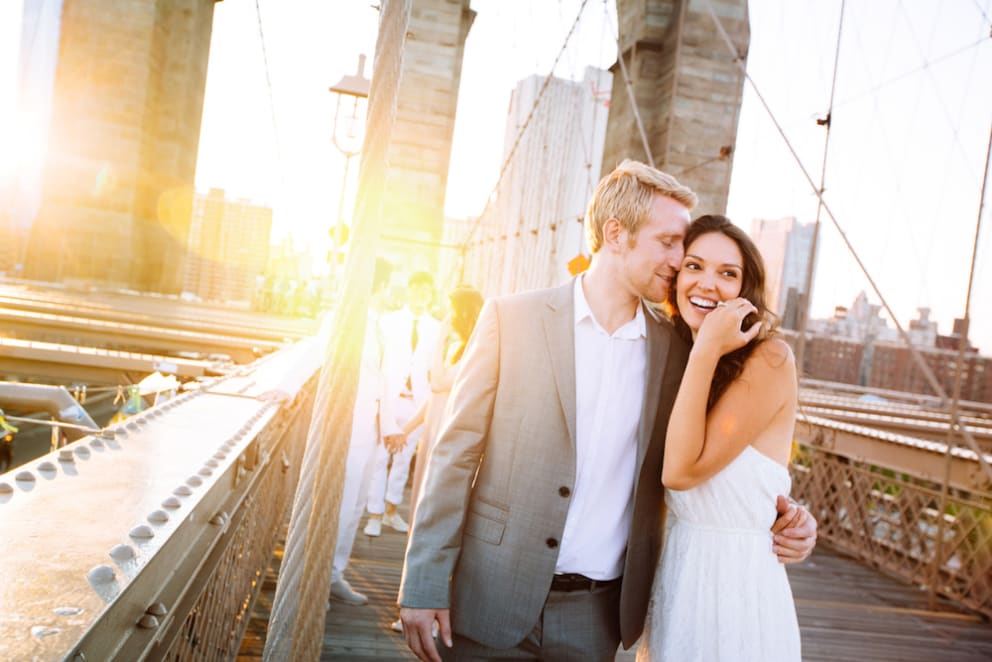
890, 519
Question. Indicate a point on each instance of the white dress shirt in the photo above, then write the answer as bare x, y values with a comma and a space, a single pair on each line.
610, 374
402, 361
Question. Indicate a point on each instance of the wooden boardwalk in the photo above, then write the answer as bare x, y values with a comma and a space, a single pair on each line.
846, 612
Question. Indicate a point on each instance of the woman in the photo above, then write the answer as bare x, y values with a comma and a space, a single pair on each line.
720, 593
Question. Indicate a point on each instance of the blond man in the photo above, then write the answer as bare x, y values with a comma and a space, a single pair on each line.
541, 522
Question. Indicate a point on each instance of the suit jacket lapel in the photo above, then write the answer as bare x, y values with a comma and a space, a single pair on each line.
559, 333
658, 344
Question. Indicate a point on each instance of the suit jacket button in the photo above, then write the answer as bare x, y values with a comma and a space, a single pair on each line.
564, 491
551, 542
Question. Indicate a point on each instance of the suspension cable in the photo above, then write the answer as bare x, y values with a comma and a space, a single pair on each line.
914, 352
827, 123
523, 130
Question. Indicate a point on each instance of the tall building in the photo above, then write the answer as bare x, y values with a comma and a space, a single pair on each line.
534, 227
785, 247
123, 85
228, 248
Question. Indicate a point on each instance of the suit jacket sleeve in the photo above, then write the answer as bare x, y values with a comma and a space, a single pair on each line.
436, 537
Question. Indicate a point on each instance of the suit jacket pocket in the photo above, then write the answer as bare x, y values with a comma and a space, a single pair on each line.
486, 522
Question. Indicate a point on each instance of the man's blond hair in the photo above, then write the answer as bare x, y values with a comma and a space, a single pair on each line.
626, 195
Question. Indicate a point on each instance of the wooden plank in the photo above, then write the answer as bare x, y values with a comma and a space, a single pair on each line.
847, 611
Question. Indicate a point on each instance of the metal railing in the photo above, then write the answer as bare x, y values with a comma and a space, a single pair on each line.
890, 518
150, 540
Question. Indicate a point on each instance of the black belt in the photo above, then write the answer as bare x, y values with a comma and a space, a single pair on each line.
572, 581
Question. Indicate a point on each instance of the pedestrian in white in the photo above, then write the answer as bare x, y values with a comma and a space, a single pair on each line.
411, 333
373, 424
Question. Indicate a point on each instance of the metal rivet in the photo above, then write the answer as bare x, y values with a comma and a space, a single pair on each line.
122, 552
171, 502
148, 622
142, 531
46, 466
158, 517
97, 444
212, 463
25, 476
107, 434
132, 426
206, 471
182, 490
194, 481
82, 452
102, 574
5, 488
65, 455
157, 609
219, 456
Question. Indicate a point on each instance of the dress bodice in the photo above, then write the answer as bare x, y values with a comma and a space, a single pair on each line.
740, 497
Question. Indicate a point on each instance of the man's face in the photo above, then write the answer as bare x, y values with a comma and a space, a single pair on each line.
652, 257
419, 297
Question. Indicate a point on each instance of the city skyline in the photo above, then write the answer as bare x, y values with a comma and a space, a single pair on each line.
910, 126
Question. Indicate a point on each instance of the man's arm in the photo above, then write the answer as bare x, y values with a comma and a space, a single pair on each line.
435, 539
794, 532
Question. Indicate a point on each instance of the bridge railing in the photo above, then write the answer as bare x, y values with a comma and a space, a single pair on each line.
151, 539
879, 497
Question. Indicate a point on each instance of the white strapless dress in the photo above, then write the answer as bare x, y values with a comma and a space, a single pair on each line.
720, 593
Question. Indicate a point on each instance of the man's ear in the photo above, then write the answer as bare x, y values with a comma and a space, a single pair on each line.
614, 234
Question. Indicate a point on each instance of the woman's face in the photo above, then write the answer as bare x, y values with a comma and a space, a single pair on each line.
712, 271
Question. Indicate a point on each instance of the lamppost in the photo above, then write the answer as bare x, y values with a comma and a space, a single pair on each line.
351, 93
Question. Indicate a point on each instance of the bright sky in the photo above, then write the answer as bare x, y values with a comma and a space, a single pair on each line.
906, 152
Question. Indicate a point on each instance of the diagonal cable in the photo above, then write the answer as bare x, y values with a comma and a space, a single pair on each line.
913, 350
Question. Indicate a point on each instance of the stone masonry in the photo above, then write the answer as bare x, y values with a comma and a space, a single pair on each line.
127, 105
688, 90
420, 145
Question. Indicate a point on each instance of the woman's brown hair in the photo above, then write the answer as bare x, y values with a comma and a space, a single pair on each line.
752, 288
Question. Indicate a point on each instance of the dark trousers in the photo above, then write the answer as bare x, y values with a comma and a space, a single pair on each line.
576, 625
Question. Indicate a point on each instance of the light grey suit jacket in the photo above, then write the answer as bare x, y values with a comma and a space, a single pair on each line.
484, 541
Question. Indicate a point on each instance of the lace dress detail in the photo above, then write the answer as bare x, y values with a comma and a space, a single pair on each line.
720, 593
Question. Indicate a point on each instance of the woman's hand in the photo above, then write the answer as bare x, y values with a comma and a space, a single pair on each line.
721, 329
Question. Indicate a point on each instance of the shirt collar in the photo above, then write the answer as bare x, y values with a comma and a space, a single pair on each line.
632, 330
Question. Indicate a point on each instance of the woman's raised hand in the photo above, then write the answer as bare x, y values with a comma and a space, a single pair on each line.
721, 329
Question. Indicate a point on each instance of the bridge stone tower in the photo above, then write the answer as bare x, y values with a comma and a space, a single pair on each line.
127, 102
688, 90
420, 145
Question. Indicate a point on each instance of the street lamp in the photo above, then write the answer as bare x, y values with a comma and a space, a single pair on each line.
352, 93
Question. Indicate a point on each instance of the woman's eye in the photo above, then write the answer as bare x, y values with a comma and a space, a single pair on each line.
691, 266
730, 274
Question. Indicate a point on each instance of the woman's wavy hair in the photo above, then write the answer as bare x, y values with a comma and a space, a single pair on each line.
752, 288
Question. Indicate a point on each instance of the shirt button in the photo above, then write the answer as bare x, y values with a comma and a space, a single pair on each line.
564, 491
551, 542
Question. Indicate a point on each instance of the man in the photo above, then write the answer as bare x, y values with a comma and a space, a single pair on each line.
411, 333
541, 522
373, 425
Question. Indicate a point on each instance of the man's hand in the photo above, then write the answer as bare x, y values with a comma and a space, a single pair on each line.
794, 532
418, 628
394, 443
276, 395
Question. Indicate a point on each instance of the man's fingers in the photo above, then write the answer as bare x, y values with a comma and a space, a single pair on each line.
444, 627
786, 555
786, 519
418, 629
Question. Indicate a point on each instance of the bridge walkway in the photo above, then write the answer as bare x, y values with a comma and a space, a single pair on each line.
847, 611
